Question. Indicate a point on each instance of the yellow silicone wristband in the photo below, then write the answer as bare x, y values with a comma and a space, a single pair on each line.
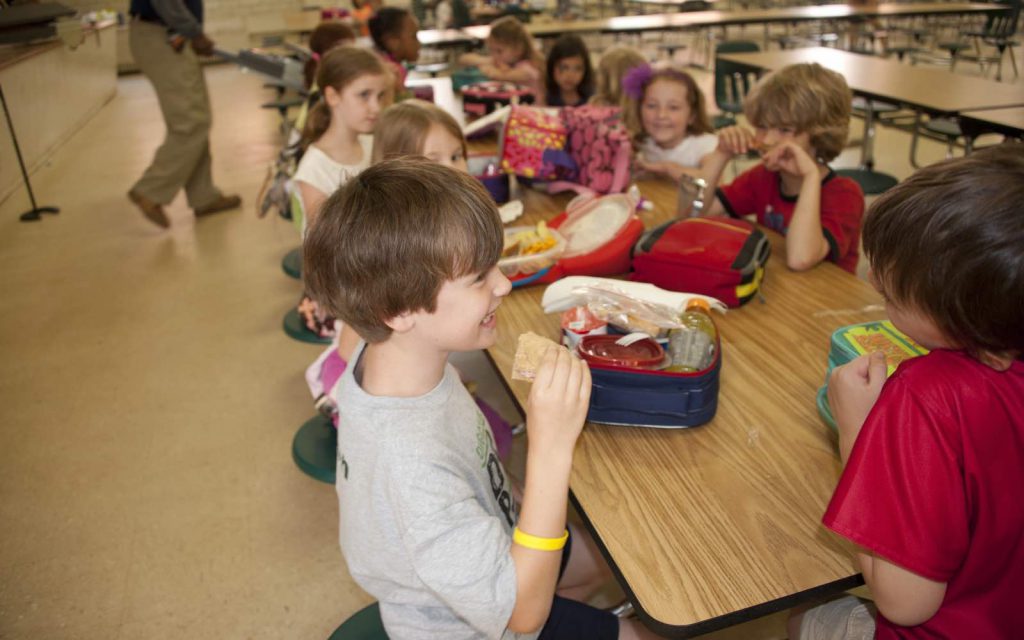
538, 543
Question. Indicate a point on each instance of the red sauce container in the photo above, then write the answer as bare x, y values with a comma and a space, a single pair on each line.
603, 351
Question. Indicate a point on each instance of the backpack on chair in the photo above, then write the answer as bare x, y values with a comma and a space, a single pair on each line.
275, 192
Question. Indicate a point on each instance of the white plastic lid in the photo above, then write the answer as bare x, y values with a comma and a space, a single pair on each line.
594, 225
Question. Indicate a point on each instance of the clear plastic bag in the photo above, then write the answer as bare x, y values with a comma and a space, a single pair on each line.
627, 312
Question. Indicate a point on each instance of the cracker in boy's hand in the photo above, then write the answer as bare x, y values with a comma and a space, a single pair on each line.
529, 352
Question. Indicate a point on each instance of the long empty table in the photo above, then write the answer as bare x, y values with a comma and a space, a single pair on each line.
934, 91
696, 19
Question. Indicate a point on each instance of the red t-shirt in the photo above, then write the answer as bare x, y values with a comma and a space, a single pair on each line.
935, 484
758, 191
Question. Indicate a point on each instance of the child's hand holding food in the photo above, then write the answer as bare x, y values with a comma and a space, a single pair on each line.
736, 140
558, 402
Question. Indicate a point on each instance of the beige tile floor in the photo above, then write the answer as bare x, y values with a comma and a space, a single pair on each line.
149, 398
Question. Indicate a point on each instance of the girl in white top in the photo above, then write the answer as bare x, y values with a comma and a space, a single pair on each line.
411, 127
356, 87
675, 135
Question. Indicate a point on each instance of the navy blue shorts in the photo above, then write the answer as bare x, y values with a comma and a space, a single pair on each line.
572, 620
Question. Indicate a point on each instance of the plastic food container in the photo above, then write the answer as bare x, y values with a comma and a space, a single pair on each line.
594, 224
579, 322
487, 169
526, 264
603, 351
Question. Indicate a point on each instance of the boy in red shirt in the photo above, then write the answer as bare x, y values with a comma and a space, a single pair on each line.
801, 118
932, 492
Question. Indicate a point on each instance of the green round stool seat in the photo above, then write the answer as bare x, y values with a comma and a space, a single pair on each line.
315, 449
364, 624
944, 127
292, 263
723, 120
296, 328
871, 182
953, 47
861, 105
902, 50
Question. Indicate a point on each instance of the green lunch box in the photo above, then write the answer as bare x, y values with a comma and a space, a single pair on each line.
855, 340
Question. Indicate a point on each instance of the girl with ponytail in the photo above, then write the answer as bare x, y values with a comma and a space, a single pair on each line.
356, 87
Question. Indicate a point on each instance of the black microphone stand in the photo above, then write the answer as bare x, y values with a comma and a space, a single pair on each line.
32, 214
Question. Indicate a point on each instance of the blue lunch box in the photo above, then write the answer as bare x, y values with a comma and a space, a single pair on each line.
661, 399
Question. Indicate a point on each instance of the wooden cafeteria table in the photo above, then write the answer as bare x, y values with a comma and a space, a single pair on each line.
926, 90
934, 91
715, 525
304, 22
1009, 122
695, 19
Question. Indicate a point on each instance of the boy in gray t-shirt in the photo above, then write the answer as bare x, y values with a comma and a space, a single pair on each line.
406, 254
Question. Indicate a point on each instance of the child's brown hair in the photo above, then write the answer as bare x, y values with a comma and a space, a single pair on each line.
340, 67
949, 242
325, 37
511, 32
387, 24
807, 97
402, 129
386, 242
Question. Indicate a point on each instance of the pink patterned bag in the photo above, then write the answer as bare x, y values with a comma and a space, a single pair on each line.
600, 147
531, 134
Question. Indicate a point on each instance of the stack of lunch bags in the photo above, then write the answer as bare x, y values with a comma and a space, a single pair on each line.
585, 149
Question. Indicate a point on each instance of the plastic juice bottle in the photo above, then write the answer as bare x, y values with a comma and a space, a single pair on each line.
692, 348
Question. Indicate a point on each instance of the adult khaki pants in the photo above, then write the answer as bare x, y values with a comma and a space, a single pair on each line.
183, 160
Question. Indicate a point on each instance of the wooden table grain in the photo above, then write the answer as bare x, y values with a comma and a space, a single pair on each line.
718, 524
1009, 122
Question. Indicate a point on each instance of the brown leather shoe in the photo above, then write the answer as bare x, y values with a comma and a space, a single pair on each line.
153, 211
223, 203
